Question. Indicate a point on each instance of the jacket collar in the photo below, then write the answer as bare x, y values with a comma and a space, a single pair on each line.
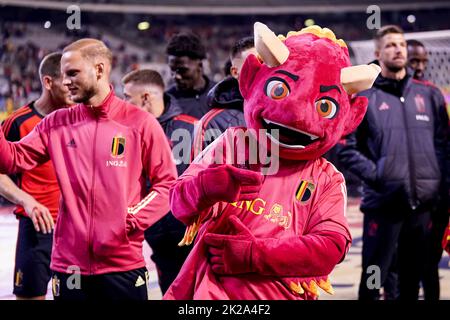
392, 86
103, 109
226, 95
171, 109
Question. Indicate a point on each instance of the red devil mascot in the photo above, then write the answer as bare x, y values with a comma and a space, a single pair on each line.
274, 229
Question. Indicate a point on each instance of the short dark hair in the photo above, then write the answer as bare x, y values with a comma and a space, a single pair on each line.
391, 28
186, 44
242, 45
414, 43
145, 77
51, 65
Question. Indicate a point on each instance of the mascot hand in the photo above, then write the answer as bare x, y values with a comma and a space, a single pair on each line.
229, 184
231, 254
219, 183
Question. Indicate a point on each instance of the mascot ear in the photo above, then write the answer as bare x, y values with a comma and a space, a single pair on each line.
358, 108
247, 75
272, 52
356, 79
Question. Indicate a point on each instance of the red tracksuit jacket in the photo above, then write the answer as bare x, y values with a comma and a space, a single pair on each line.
102, 157
300, 214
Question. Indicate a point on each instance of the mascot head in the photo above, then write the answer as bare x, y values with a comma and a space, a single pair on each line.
303, 85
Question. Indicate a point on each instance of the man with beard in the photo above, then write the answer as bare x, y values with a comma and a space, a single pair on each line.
417, 58
37, 199
399, 153
417, 62
185, 53
103, 150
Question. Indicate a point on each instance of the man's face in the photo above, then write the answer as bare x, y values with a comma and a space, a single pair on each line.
392, 51
60, 93
238, 61
133, 93
417, 60
147, 97
79, 75
185, 71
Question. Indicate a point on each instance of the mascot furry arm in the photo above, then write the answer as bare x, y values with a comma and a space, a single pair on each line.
302, 87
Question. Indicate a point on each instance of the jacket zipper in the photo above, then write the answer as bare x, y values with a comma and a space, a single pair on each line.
92, 201
412, 165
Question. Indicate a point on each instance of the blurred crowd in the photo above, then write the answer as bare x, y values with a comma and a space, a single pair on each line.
19, 63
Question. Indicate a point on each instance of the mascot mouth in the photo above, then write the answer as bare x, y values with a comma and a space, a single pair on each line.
287, 136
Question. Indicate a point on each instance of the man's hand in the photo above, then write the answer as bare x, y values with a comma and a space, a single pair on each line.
40, 215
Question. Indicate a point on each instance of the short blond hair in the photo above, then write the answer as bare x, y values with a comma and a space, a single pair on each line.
90, 49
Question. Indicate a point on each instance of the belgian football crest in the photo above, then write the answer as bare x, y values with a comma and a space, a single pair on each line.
304, 191
118, 146
420, 103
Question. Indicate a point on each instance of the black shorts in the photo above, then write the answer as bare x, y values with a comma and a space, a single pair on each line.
128, 285
32, 267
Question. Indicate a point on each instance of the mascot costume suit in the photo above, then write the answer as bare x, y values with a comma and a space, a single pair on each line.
279, 234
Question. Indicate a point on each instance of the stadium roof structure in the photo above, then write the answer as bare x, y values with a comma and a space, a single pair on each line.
232, 7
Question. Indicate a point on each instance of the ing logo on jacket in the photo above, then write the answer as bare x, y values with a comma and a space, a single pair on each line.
258, 206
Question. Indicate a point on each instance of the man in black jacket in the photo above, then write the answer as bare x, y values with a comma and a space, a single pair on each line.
185, 54
417, 62
145, 88
417, 58
399, 153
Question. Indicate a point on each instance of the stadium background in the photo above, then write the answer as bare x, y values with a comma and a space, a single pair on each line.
137, 31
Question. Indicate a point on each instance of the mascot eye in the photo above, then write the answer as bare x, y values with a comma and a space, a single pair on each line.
276, 88
327, 107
